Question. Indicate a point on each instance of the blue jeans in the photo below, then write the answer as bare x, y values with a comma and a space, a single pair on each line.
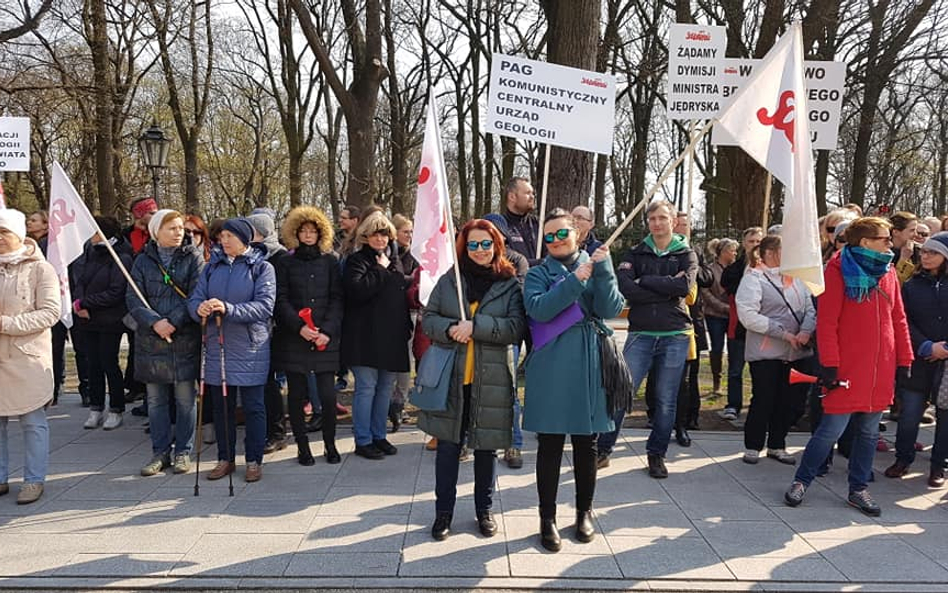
370, 398
735, 374
913, 406
717, 331
36, 447
255, 421
447, 464
666, 355
159, 416
865, 426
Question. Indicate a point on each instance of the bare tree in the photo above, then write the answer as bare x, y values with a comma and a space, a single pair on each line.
28, 19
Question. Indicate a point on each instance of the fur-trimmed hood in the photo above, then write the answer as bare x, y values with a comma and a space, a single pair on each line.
295, 219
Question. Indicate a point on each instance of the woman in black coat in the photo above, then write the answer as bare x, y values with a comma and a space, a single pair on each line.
375, 332
98, 292
308, 278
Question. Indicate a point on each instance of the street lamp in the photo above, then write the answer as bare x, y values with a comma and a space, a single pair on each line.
154, 147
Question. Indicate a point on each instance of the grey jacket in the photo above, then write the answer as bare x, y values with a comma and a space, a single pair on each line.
768, 319
499, 322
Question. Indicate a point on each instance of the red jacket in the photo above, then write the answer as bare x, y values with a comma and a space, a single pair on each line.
866, 340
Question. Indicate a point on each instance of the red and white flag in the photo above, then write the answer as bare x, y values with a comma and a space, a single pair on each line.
3, 197
433, 241
763, 119
70, 226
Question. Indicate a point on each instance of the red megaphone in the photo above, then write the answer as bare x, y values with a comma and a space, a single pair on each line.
798, 377
307, 316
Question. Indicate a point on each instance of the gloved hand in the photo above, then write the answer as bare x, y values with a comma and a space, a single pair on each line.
902, 374
829, 375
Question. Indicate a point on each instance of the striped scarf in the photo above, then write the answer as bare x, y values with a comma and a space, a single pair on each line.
862, 269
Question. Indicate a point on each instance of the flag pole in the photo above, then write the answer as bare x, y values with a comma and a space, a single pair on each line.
691, 170
546, 179
767, 189
658, 184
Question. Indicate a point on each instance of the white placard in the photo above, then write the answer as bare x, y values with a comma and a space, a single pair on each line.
552, 104
695, 60
825, 85
14, 144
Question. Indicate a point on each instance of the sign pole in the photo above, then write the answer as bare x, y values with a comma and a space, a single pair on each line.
658, 184
767, 188
691, 169
546, 179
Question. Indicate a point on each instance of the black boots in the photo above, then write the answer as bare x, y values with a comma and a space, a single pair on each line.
682, 436
585, 532
395, 414
331, 454
549, 535
304, 455
486, 523
442, 526
716, 368
656, 466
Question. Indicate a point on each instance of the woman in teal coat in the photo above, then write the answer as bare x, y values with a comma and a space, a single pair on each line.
566, 297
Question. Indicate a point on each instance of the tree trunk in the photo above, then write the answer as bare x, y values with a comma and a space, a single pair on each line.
573, 40
103, 107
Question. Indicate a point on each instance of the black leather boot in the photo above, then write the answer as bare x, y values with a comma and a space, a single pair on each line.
682, 436
304, 455
442, 526
331, 454
549, 535
585, 531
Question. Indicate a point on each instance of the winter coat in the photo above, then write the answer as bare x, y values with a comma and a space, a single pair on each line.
376, 325
591, 243
524, 234
564, 392
248, 288
308, 277
29, 306
714, 297
157, 361
768, 319
99, 286
866, 341
925, 298
498, 322
656, 296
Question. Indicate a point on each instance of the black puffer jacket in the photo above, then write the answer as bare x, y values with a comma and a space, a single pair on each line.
157, 361
925, 298
99, 286
376, 325
307, 278
655, 293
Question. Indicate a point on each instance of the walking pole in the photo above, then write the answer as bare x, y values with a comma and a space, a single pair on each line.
220, 342
199, 429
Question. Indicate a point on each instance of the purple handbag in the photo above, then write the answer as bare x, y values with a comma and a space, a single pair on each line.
544, 332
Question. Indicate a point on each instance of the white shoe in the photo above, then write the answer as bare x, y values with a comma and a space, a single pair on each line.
751, 456
112, 421
210, 437
782, 456
94, 420
729, 414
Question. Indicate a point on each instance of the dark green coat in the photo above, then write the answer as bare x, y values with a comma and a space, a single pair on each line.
564, 393
499, 322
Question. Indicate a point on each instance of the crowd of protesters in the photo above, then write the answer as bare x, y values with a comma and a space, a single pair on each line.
244, 310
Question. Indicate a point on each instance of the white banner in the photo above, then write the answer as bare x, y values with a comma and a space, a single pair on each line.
695, 58
552, 104
14, 144
825, 84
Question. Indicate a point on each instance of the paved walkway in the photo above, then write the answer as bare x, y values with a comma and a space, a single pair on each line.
715, 524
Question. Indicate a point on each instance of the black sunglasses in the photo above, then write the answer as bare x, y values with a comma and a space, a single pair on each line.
560, 235
486, 244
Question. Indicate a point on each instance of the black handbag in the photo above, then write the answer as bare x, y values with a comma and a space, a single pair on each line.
616, 377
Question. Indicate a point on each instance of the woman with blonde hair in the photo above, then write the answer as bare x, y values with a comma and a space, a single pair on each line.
375, 331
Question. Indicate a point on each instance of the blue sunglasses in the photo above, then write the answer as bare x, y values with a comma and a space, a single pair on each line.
486, 245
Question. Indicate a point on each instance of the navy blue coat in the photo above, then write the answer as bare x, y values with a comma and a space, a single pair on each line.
248, 288
157, 361
99, 286
925, 298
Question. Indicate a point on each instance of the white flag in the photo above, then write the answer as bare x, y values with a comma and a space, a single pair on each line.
3, 197
432, 243
763, 119
70, 226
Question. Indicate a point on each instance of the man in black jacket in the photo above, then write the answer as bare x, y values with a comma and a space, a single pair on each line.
657, 276
520, 202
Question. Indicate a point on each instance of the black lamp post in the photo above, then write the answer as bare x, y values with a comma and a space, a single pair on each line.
154, 147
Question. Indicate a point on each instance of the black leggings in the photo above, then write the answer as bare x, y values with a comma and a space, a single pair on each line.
299, 394
102, 352
549, 457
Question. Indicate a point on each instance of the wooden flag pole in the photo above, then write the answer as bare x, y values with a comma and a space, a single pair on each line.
767, 188
546, 179
691, 170
658, 184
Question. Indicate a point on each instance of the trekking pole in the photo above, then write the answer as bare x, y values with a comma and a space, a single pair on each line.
220, 342
199, 429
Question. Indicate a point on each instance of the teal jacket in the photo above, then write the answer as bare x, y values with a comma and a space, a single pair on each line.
498, 323
564, 393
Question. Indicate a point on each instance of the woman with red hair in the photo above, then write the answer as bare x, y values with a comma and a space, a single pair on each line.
195, 228
479, 406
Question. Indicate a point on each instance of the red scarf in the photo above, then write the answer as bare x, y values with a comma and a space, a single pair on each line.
138, 238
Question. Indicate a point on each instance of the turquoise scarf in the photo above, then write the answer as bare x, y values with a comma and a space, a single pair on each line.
862, 269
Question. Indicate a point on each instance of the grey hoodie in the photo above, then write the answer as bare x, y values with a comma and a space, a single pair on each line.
768, 319
267, 229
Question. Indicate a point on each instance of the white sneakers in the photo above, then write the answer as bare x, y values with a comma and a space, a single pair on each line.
112, 420
751, 456
94, 420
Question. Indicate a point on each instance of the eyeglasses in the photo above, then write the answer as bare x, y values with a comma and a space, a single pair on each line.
486, 245
582, 218
192, 232
831, 229
885, 238
560, 235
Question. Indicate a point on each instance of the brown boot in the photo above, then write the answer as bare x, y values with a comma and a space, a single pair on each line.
716, 359
254, 472
222, 469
